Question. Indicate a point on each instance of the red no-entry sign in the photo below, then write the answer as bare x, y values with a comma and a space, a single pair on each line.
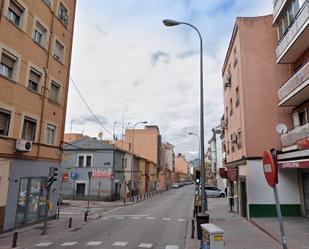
65, 177
270, 168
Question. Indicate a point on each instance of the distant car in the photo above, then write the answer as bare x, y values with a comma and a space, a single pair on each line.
176, 185
214, 192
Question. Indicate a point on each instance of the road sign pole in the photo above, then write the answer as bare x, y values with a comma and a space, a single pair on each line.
283, 237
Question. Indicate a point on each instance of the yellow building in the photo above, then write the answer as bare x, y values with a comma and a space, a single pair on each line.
35, 53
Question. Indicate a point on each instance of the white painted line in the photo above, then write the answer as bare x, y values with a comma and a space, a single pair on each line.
150, 218
166, 218
120, 243
128, 215
105, 218
171, 247
71, 243
181, 219
145, 245
94, 243
119, 218
44, 244
134, 218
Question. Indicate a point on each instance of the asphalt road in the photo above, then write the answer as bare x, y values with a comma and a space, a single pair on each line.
159, 222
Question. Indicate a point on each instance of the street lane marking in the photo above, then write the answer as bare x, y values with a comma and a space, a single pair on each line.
120, 243
171, 247
181, 219
70, 243
119, 218
105, 218
145, 245
44, 244
134, 218
128, 215
94, 243
150, 218
166, 218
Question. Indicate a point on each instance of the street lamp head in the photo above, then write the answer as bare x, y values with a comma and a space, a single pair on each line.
190, 133
144, 122
169, 22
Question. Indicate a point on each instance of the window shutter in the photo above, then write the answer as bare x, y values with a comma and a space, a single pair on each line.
8, 61
4, 122
34, 76
16, 8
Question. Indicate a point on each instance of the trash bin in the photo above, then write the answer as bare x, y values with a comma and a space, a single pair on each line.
212, 237
201, 218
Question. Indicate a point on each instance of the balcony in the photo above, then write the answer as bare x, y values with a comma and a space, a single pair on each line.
296, 90
295, 41
294, 135
278, 6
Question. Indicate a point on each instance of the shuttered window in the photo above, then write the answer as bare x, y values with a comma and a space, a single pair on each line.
39, 34
59, 51
5, 118
54, 91
63, 14
50, 134
34, 80
15, 12
7, 65
29, 129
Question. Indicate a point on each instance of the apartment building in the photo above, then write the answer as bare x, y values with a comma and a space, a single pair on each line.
291, 18
35, 54
251, 80
181, 168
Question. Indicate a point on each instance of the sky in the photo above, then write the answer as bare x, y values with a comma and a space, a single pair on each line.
129, 67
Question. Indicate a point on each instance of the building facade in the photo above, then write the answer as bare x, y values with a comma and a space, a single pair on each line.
251, 78
291, 18
181, 168
35, 53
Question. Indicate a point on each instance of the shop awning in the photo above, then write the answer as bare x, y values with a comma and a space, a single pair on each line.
294, 164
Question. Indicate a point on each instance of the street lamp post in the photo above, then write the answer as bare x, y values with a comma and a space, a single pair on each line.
199, 155
132, 150
168, 22
89, 176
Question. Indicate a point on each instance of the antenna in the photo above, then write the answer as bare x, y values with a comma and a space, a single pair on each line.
281, 128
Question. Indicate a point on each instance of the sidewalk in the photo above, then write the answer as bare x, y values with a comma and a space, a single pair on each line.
296, 229
31, 234
238, 232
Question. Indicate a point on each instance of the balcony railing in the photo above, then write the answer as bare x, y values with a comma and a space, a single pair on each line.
277, 6
300, 77
301, 20
294, 135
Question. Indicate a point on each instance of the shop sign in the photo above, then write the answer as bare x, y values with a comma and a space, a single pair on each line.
232, 174
102, 173
294, 165
222, 173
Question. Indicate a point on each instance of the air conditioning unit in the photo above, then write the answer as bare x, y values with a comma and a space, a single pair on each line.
227, 81
234, 138
23, 145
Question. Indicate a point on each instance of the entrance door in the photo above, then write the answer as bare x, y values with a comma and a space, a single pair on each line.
305, 178
243, 196
80, 188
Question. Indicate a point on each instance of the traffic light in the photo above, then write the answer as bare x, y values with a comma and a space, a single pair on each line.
52, 176
197, 176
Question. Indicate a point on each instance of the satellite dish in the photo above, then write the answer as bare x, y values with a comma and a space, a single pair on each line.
281, 128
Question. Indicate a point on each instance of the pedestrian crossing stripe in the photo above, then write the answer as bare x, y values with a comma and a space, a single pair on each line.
42, 244
70, 243
94, 243
120, 243
145, 245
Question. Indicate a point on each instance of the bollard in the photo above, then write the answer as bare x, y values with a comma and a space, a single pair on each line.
124, 201
70, 222
136, 198
85, 216
192, 228
14, 244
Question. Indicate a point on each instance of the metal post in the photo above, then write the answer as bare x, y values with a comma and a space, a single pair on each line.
70, 222
46, 212
14, 243
283, 237
88, 203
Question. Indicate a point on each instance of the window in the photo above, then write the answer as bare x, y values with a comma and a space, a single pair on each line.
302, 117
47, 2
239, 140
59, 51
15, 12
237, 97
54, 91
88, 161
50, 134
7, 64
84, 161
81, 161
5, 117
34, 80
29, 129
63, 14
39, 34
231, 106
235, 58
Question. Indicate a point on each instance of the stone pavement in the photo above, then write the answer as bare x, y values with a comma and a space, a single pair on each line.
296, 229
238, 232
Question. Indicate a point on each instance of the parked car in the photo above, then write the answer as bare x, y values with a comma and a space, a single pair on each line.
176, 185
214, 192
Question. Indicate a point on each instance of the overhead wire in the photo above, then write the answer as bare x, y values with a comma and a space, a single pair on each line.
88, 107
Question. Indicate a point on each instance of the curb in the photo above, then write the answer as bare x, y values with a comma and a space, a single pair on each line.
265, 231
